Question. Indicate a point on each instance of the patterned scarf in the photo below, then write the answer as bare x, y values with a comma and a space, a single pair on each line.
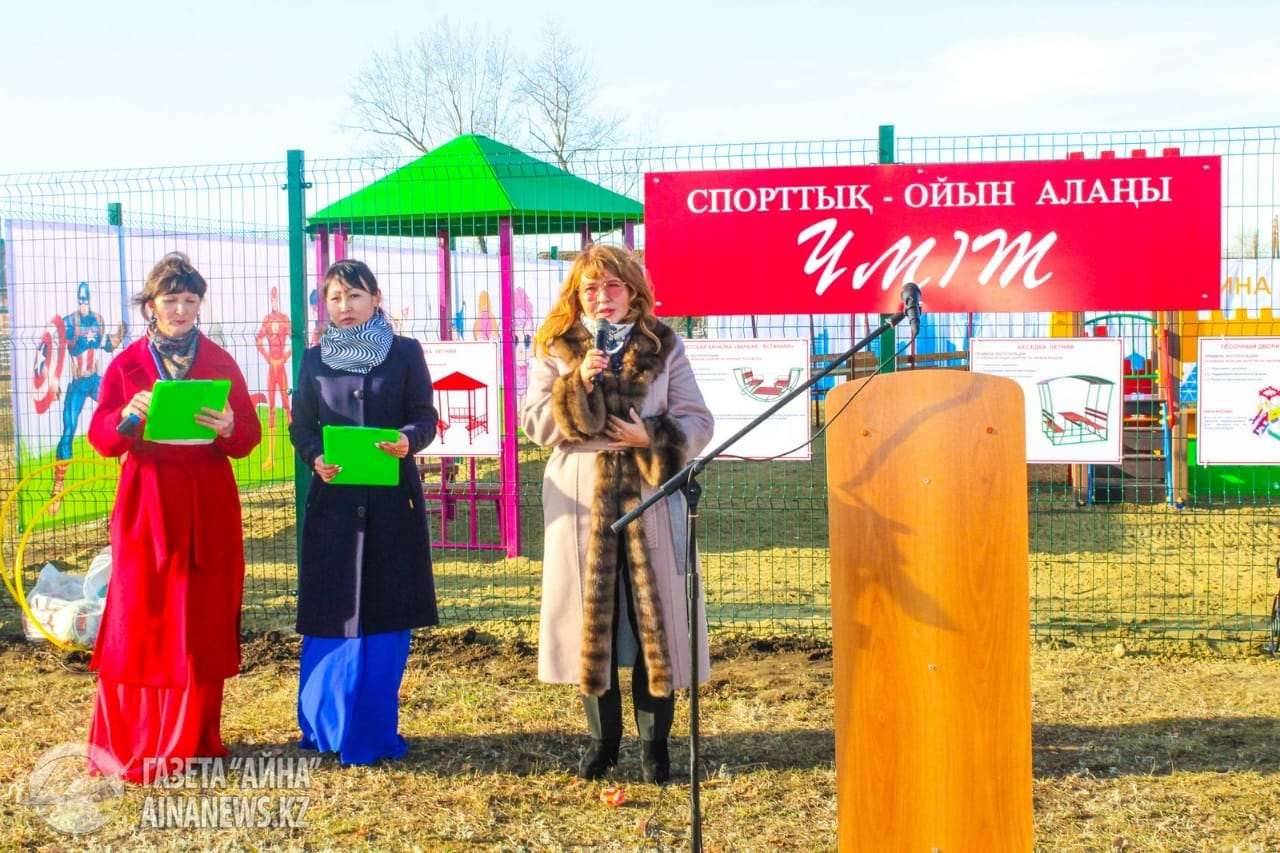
615, 333
357, 349
174, 356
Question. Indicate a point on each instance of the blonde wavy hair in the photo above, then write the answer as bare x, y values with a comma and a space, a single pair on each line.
596, 263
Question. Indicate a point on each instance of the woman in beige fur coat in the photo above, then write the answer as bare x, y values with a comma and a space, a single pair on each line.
621, 419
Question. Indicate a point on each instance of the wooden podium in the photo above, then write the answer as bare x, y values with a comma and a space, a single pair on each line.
927, 482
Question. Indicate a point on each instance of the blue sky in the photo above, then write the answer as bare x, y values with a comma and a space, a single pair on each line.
144, 83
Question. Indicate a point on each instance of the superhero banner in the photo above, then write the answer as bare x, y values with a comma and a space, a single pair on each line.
70, 290
71, 311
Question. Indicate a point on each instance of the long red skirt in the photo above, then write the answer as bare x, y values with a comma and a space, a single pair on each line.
152, 731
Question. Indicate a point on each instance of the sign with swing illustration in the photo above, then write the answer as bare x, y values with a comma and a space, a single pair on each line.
1071, 389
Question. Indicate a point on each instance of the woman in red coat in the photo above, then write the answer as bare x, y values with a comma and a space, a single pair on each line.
170, 632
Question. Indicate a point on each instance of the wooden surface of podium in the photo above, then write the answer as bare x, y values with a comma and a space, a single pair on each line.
927, 482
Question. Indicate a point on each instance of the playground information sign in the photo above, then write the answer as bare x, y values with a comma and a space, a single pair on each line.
1073, 391
1132, 233
464, 383
1238, 412
740, 379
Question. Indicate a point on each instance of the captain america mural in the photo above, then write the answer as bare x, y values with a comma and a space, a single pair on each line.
68, 367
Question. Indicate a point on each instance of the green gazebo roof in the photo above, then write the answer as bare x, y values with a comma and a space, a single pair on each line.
466, 185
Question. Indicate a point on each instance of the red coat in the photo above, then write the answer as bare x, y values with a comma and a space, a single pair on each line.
177, 569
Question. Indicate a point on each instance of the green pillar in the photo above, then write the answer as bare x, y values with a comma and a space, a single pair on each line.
889, 340
298, 320
886, 144
115, 219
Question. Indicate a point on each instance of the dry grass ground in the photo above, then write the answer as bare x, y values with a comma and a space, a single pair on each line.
1131, 753
1142, 752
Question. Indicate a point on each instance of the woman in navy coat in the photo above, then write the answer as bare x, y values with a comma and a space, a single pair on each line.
365, 567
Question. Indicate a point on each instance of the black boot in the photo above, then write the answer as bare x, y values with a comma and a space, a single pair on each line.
600, 756
655, 762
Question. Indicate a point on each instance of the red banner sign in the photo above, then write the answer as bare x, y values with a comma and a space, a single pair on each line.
1120, 234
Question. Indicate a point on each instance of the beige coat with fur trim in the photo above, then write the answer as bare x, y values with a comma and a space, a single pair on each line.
580, 491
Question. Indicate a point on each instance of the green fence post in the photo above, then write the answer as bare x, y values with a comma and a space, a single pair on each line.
298, 319
115, 219
889, 340
886, 144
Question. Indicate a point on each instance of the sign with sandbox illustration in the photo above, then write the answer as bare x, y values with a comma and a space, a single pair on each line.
1238, 412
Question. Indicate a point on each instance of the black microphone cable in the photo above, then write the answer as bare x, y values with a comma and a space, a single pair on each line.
832, 419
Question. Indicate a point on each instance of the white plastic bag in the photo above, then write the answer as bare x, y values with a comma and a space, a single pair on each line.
99, 575
57, 584
77, 622
58, 603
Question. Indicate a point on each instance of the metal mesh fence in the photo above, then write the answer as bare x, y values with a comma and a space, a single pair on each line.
470, 246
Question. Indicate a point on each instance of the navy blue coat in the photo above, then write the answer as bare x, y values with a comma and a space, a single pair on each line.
365, 566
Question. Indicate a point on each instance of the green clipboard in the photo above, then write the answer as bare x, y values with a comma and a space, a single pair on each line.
174, 406
352, 448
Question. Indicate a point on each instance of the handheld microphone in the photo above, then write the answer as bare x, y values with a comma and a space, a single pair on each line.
911, 305
602, 335
129, 426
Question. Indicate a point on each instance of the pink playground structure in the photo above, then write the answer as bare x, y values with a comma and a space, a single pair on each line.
473, 186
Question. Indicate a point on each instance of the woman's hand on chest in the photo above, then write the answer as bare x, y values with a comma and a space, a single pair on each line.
623, 434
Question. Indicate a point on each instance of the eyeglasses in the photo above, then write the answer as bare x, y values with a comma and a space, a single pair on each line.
612, 289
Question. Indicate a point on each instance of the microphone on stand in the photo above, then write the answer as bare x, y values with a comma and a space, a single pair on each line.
911, 305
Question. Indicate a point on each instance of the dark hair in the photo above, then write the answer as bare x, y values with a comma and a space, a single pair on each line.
351, 273
172, 274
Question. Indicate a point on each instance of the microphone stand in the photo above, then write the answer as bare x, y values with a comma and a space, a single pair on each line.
685, 481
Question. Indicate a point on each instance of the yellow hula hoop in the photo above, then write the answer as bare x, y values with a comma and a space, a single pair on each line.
13, 496
15, 586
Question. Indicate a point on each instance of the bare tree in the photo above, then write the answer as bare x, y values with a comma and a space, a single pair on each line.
447, 82
1247, 243
391, 97
477, 91
559, 89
